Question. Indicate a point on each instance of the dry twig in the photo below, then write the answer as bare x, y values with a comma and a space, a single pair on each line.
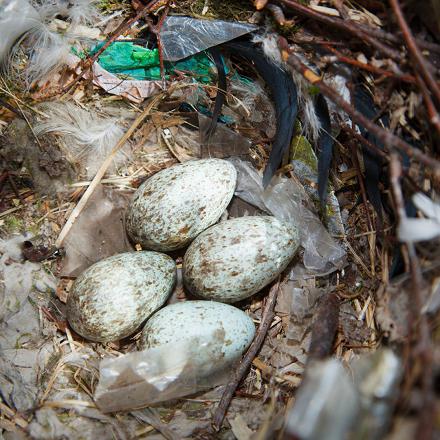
88, 62
420, 62
266, 320
100, 173
385, 136
369, 68
347, 26
433, 115
418, 323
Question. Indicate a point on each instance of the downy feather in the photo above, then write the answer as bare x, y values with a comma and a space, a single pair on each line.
45, 48
86, 136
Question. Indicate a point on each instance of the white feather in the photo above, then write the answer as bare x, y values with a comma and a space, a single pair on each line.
311, 124
47, 50
270, 47
87, 136
74, 11
418, 229
427, 206
421, 229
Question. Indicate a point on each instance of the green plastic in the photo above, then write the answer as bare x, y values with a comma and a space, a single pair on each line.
131, 61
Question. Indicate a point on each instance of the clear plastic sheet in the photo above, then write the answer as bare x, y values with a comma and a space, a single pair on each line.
326, 404
16, 18
377, 377
370, 390
224, 142
160, 374
185, 36
286, 200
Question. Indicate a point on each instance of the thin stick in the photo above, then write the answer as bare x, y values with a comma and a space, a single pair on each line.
377, 70
103, 168
397, 39
12, 109
418, 323
346, 26
385, 136
420, 62
266, 320
434, 118
88, 62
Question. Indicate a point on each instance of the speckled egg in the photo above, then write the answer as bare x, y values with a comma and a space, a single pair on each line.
175, 205
222, 332
113, 297
238, 257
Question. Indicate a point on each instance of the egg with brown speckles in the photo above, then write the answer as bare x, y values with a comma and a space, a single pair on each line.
114, 296
220, 331
176, 204
236, 258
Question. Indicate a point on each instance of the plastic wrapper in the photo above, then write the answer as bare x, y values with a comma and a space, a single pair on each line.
369, 393
185, 36
224, 142
326, 404
377, 377
287, 200
159, 374
16, 18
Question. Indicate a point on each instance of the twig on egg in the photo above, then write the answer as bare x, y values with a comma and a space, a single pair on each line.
266, 320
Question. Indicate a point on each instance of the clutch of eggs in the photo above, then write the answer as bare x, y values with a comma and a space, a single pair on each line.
112, 298
236, 258
176, 204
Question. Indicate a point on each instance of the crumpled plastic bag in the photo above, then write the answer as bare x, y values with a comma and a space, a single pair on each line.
160, 374
370, 390
185, 36
286, 200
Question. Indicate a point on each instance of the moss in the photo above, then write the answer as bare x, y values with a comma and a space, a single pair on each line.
110, 6
302, 150
13, 224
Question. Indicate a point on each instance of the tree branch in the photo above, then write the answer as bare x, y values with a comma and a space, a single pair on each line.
266, 320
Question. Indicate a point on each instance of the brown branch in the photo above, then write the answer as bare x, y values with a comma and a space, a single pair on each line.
266, 320
421, 65
397, 39
347, 26
344, 59
124, 26
366, 142
385, 136
418, 323
12, 109
278, 14
434, 117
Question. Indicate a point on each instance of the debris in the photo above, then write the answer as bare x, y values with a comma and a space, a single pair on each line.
182, 37
156, 374
287, 201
